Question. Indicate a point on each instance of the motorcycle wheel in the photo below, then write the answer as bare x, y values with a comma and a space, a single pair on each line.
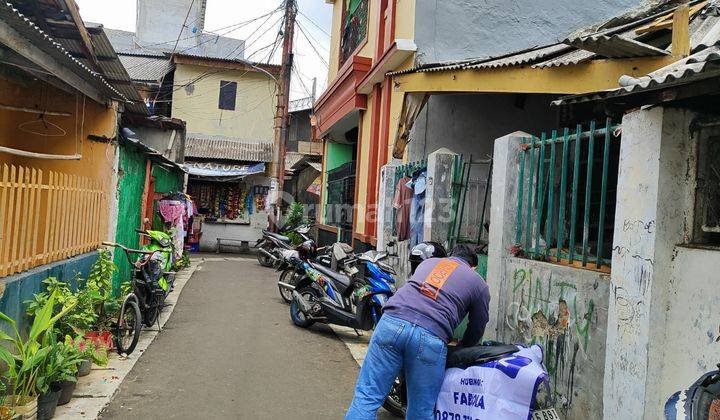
394, 401
152, 311
299, 318
289, 277
127, 331
264, 260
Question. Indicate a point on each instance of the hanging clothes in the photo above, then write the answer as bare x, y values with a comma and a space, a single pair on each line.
402, 202
172, 210
417, 208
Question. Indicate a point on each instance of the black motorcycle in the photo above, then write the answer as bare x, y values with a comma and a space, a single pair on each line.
337, 257
464, 357
271, 243
324, 295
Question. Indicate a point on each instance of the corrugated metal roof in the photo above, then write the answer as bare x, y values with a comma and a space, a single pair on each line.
702, 64
208, 46
590, 43
227, 148
144, 68
27, 28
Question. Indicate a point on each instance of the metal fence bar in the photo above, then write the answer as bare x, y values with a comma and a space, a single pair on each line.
531, 197
521, 183
563, 193
603, 194
575, 186
541, 192
588, 193
551, 196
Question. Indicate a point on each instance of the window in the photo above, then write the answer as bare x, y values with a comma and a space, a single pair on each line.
354, 27
566, 196
707, 196
228, 92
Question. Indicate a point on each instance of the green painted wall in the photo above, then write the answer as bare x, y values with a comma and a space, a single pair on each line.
338, 154
166, 181
131, 183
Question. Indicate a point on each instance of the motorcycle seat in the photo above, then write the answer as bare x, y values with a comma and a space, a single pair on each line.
342, 279
276, 236
463, 357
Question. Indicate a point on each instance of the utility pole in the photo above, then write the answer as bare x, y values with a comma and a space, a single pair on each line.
282, 116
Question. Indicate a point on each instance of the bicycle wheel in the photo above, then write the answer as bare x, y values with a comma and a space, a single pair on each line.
128, 327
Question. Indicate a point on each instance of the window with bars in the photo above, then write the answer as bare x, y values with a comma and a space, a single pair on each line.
566, 196
354, 30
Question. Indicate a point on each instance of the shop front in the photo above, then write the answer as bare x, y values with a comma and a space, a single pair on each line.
232, 204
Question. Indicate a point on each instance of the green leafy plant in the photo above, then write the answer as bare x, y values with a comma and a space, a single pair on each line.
29, 356
294, 219
88, 350
61, 364
183, 262
93, 303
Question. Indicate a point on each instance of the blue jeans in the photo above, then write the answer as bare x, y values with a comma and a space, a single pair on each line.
400, 345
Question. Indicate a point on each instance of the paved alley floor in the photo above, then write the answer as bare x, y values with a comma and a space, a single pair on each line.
230, 351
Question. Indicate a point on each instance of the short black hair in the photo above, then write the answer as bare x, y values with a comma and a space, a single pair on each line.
465, 253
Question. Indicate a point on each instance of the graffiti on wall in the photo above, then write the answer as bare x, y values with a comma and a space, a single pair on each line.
549, 312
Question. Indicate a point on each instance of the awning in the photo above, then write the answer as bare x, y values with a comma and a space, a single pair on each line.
223, 172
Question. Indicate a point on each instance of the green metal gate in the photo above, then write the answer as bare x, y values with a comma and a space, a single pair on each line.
566, 195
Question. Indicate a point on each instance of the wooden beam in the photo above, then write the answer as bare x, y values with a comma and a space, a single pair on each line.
23, 47
87, 42
681, 32
570, 79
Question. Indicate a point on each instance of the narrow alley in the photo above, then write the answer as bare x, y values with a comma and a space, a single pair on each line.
229, 350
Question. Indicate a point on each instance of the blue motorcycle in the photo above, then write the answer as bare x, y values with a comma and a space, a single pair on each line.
323, 295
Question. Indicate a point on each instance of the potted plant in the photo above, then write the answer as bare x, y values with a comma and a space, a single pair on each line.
89, 353
104, 306
29, 357
60, 367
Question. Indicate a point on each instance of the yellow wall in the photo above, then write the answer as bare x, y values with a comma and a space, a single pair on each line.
363, 161
83, 222
97, 158
405, 19
404, 29
254, 111
335, 40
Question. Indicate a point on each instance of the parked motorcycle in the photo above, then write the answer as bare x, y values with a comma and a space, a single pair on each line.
271, 243
338, 257
487, 354
323, 295
701, 401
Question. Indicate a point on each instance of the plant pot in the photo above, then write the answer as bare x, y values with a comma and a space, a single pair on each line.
25, 408
84, 368
101, 338
47, 403
66, 391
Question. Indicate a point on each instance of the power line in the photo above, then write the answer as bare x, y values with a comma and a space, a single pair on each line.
313, 22
302, 83
175, 47
302, 31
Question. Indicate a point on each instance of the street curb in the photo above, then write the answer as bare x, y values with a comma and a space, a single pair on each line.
357, 345
95, 391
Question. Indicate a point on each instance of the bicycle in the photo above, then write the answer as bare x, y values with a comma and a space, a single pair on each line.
142, 305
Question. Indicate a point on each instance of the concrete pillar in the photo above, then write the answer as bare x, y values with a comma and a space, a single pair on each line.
438, 196
652, 216
503, 199
385, 205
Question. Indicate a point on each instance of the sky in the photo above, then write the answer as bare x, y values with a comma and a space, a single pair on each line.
315, 19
